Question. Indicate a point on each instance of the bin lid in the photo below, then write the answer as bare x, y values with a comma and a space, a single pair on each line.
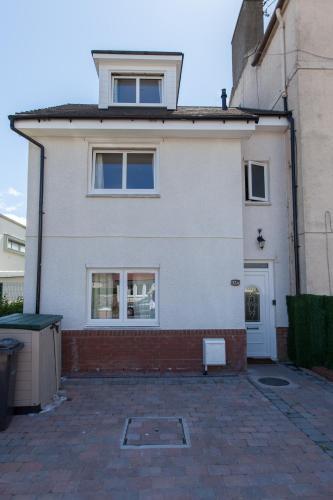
10, 345
22, 321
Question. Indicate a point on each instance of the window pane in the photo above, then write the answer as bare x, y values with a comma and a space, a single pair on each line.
258, 181
140, 174
14, 246
252, 304
105, 296
150, 90
108, 171
246, 182
141, 296
125, 90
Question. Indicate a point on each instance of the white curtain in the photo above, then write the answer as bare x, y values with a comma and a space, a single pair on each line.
99, 172
115, 90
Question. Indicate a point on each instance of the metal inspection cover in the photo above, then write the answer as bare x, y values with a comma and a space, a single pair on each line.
273, 381
155, 432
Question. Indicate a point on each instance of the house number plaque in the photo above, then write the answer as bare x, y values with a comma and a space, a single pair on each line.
235, 282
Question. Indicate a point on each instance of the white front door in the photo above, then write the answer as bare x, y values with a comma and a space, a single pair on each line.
258, 312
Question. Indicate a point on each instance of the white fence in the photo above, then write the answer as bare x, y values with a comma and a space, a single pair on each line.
12, 290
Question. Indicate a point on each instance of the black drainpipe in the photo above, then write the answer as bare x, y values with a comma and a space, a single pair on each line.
40, 209
294, 192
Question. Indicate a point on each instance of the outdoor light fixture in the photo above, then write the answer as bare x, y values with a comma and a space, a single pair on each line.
261, 241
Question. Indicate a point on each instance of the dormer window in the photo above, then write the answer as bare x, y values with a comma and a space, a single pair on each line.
137, 90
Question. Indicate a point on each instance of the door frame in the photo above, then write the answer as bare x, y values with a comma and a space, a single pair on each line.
271, 308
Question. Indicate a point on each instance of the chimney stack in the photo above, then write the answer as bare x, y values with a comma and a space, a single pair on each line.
249, 32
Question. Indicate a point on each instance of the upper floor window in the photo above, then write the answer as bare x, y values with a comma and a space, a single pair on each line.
137, 90
15, 245
120, 171
256, 181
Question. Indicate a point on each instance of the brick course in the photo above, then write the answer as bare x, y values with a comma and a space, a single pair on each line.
281, 342
93, 351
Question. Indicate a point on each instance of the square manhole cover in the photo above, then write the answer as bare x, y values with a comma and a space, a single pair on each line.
155, 432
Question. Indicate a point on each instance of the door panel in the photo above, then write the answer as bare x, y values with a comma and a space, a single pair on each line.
257, 320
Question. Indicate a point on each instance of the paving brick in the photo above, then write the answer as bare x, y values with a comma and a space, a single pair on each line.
244, 444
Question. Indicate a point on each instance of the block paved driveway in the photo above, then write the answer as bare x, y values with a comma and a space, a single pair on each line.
246, 441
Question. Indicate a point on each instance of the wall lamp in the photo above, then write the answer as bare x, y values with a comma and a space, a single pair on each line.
260, 239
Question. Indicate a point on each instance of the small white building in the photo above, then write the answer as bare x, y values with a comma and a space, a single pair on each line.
12, 253
153, 220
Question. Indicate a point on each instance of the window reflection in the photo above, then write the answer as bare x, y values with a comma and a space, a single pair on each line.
141, 302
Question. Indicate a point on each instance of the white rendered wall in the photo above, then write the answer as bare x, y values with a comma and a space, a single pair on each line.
272, 218
310, 97
193, 232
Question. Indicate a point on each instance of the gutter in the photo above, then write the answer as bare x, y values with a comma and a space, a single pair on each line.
40, 209
101, 117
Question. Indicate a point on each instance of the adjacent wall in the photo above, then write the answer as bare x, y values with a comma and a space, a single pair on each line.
310, 96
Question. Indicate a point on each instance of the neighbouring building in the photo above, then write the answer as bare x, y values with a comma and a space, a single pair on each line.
157, 225
290, 67
12, 253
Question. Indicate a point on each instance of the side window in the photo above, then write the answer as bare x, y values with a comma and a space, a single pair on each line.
256, 181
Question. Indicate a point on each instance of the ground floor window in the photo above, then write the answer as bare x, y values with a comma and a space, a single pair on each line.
123, 296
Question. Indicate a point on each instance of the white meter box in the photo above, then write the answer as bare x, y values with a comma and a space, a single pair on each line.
213, 352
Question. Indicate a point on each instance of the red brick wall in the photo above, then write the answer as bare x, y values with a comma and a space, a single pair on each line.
91, 351
281, 341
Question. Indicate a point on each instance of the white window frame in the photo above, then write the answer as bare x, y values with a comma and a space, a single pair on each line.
18, 241
123, 321
251, 197
124, 152
137, 78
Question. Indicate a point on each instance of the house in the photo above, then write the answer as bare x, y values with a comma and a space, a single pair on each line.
12, 253
290, 68
151, 226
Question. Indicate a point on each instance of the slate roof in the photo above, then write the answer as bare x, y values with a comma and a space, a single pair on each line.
91, 111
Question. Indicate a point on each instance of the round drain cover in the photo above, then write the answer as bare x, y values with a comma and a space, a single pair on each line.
273, 381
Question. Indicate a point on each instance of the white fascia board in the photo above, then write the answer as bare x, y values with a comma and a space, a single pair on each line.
272, 123
11, 274
213, 128
130, 58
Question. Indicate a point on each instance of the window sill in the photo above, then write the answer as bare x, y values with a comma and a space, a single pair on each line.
16, 252
258, 203
137, 104
121, 327
123, 195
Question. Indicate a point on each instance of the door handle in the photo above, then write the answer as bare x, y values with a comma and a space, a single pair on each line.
252, 327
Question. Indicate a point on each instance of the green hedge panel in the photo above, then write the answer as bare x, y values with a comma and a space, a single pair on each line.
310, 338
329, 331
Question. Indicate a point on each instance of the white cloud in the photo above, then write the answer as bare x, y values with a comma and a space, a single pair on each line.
16, 218
10, 208
13, 192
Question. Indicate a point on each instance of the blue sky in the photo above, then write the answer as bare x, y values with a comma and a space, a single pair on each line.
45, 58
